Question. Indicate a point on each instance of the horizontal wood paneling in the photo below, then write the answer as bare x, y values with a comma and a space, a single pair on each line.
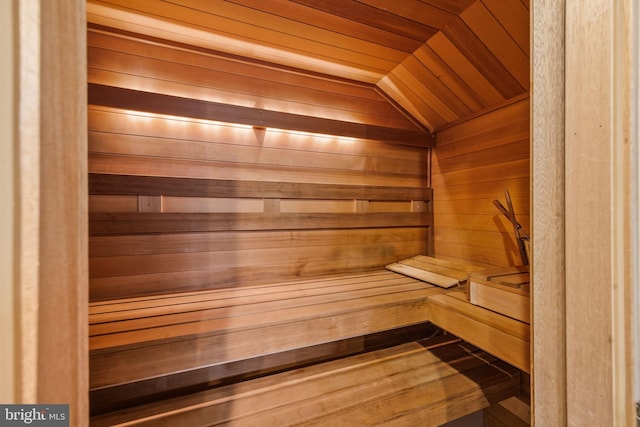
155, 103
437, 59
225, 277
125, 142
154, 166
117, 121
126, 223
474, 163
106, 246
148, 185
203, 84
233, 258
179, 201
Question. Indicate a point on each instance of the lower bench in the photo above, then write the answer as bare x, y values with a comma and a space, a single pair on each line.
141, 344
425, 383
500, 335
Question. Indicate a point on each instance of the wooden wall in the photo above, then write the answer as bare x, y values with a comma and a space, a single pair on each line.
180, 203
474, 162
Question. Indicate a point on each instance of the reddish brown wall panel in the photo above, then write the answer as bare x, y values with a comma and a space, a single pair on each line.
210, 204
474, 162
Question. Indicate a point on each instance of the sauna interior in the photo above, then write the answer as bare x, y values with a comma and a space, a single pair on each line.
255, 167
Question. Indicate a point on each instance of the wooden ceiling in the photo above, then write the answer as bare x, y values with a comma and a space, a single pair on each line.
440, 60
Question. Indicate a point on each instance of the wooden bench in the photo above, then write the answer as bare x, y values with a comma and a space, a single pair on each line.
424, 383
502, 336
146, 342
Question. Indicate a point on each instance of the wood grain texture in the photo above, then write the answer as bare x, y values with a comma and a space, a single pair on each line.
229, 258
61, 262
111, 96
625, 95
474, 162
137, 62
234, 324
495, 36
226, 183
9, 353
132, 394
499, 335
548, 270
507, 299
27, 205
589, 127
103, 184
424, 275
419, 381
104, 224
481, 51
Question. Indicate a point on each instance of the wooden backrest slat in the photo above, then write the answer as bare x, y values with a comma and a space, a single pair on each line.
114, 305
214, 277
105, 224
236, 297
101, 184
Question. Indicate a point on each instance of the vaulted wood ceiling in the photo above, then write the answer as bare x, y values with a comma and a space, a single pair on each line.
440, 60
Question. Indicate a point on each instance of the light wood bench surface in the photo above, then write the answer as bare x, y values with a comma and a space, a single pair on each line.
423, 383
148, 337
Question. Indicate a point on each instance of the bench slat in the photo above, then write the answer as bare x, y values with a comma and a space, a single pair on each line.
186, 332
173, 303
503, 336
237, 318
228, 310
124, 365
430, 386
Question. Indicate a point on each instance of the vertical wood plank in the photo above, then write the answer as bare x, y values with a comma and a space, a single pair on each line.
361, 206
149, 203
547, 181
623, 205
28, 199
63, 280
418, 206
636, 206
588, 211
9, 358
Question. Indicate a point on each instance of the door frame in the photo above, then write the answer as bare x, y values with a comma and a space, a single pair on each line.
584, 211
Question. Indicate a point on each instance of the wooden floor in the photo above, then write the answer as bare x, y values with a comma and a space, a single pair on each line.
424, 383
